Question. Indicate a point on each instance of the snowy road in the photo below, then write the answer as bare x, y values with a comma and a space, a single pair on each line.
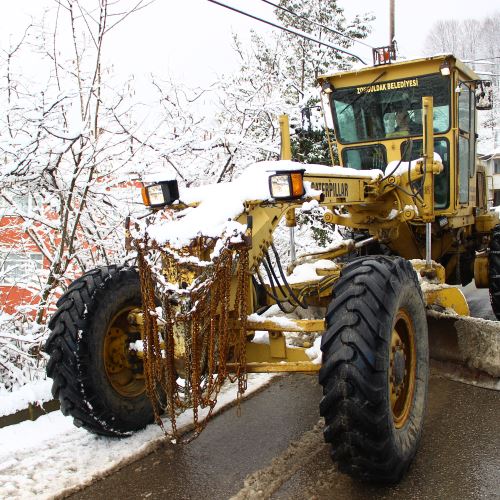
50, 456
276, 450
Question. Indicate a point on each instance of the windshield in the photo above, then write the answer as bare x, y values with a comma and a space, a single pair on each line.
389, 109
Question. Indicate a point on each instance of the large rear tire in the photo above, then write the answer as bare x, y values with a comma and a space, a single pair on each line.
98, 380
375, 368
494, 270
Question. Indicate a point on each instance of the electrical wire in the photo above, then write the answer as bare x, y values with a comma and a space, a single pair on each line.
316, 23
270, 269
400, 161
289, 30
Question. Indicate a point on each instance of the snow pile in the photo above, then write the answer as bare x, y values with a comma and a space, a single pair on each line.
282, 321
49, 456
292, 339
341, 171
36, 392
308, 271
314, 352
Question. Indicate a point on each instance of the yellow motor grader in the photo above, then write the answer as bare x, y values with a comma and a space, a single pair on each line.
129, 344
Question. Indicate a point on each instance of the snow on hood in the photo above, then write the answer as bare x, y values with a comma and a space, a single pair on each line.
220, 204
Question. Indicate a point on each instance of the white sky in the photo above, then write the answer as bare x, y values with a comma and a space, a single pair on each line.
191, 39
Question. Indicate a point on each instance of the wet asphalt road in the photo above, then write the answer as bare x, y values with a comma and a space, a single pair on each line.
276, 450
459, 456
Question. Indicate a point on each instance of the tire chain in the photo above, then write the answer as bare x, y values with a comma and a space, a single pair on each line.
209, 339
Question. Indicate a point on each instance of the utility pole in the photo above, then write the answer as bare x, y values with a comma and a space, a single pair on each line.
392, 23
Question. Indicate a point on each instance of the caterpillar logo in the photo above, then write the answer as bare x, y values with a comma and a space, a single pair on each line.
332, 189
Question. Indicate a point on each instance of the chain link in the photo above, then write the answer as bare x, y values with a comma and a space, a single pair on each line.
202, 318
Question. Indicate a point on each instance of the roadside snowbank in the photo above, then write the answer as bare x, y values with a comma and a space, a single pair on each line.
33, 392
50, 456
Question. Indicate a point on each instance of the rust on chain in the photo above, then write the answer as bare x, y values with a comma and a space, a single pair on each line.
187, 338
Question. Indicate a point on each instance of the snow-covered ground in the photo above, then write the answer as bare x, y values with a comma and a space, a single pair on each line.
50, 456
37, 392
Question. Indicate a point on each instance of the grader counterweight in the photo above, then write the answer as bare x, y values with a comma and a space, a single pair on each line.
411, 190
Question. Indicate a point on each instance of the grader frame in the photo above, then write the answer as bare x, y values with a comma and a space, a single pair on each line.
194, 308
384, 208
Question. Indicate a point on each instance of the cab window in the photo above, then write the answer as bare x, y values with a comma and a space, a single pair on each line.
365, 158
384, 110
414, 150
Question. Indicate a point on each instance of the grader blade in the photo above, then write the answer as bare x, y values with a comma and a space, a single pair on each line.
455, 336
470, 342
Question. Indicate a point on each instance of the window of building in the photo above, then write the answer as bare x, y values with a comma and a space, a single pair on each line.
18, 268
15, 204
496, 198
496, 166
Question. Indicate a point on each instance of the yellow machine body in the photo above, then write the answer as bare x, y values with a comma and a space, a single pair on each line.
380, 203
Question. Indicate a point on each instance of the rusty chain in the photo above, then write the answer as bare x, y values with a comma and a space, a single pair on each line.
203, 319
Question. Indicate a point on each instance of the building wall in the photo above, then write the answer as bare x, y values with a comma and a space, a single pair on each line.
20, 263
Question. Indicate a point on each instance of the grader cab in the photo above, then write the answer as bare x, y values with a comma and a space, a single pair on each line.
129, 344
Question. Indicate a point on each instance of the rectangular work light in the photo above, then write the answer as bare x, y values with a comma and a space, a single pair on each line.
287, 185
160, 194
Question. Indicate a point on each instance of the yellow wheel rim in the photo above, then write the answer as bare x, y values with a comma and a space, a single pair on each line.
123, 368
402, 369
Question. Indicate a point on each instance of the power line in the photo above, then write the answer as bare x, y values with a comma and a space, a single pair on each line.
289, 30
316, 24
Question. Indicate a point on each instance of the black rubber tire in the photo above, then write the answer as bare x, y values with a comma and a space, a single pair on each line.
76, 346
494, 270
356, 345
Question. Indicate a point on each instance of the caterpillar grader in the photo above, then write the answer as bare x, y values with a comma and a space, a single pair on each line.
129, 344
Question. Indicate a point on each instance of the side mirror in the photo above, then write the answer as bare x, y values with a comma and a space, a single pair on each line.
484, 95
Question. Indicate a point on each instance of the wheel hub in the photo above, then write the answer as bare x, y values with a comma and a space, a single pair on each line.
123, 368
399, 367
402, 368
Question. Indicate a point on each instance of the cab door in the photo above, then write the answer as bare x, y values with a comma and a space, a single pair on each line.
466, 147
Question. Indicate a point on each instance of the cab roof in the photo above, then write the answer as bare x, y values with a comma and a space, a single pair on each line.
399, 69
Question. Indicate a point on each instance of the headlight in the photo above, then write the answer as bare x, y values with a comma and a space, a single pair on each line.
287, 185
160, 194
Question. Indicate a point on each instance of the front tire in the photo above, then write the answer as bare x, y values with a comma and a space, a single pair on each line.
375, 368
494, 270
98, 380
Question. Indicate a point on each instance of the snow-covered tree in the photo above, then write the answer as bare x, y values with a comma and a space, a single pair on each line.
476, 41
66, 133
